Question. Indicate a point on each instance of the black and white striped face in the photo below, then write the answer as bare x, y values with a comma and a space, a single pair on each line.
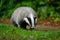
31, 20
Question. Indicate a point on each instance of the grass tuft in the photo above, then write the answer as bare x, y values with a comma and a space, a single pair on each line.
9, 32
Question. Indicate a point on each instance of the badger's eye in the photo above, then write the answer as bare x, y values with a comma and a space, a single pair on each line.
34, 17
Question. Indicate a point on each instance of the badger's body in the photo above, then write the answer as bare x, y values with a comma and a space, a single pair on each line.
21, 15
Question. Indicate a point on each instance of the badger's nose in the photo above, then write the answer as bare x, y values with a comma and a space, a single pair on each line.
33, 27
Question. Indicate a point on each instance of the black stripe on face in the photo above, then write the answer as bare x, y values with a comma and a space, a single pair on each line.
29, 19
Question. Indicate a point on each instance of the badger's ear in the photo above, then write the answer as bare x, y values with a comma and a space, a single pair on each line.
26, 20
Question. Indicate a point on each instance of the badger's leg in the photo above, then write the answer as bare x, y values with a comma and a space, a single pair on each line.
14, 23
18, 24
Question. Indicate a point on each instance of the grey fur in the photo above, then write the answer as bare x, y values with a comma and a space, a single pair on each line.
20, 13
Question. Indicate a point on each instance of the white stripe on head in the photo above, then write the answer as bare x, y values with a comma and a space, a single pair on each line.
32, 20
27, 21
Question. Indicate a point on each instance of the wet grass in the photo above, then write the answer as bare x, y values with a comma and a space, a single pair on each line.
9, 32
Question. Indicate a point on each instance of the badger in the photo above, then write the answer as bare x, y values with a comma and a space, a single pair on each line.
24, 16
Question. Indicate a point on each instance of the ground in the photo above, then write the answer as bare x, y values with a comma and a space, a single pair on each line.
47, 29
48, 23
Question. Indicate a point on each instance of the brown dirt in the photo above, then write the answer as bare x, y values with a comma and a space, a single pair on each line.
7, 20
48, 23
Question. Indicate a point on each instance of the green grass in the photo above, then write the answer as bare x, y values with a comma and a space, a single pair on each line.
9, 32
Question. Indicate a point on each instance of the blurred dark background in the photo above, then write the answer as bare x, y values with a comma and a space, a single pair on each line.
43, 8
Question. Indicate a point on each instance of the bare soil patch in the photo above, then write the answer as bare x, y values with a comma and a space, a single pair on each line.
42, 24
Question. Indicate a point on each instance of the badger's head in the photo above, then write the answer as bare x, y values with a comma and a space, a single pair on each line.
31, 20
